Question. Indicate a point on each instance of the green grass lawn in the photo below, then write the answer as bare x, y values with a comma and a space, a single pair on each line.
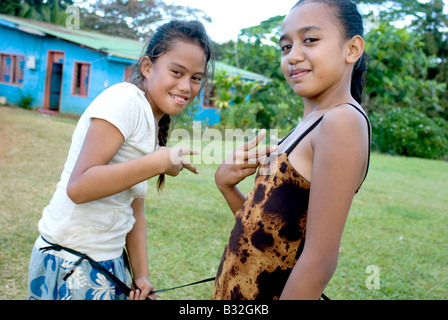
398, 221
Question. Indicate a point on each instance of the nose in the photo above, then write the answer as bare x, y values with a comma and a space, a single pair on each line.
296, 55
184, 85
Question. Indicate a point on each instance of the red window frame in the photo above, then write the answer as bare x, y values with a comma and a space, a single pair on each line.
81, 79
12, 67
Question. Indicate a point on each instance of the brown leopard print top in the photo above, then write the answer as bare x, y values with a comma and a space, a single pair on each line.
268, 236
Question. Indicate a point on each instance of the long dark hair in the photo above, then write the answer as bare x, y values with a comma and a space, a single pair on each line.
161, 42
348, 16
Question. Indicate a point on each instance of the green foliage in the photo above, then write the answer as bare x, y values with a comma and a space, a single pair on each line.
281, 107
409, 132
407, 109
429, 21
133, 19
398, 73
259, 41
186, 117
26, 102
232, 97
406, 94
52, 11
273, 106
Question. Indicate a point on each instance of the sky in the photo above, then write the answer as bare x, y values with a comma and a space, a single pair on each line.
230, 16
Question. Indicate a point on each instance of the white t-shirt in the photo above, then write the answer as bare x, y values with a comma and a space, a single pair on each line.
99, 228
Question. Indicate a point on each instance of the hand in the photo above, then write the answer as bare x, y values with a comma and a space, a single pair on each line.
143, 290
175, 162
243, 162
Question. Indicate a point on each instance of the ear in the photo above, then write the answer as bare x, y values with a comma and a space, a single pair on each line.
145, 66
355, 50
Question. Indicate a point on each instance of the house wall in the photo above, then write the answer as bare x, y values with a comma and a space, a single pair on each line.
15, 42
103, 72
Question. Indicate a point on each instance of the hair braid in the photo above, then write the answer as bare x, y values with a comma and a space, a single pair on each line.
163, 41
164, 127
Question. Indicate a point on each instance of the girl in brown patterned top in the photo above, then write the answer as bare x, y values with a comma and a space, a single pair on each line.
307, 192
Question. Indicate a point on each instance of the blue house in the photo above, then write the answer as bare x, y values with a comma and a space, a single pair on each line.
64, 69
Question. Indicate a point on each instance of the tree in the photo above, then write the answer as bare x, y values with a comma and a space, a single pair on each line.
133, 19
406, 108
52, 11
259, 41
232, 96
257, 50
428, 21
404, 100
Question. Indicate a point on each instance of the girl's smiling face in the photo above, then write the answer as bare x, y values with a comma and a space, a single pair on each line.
314, 51
173, 80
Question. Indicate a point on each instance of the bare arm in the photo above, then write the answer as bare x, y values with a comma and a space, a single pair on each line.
238, 166
340, 162
136, 247
94, 178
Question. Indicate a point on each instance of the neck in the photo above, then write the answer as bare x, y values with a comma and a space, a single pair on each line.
328, 99
156, 112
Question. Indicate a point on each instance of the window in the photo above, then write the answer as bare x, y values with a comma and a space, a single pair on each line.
11, 68
81, 76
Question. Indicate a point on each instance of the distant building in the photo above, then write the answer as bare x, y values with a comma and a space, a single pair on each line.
64, 69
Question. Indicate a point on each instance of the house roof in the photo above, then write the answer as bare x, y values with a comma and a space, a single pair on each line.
117, 47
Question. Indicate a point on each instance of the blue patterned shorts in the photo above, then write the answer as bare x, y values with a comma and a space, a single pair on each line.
47, 270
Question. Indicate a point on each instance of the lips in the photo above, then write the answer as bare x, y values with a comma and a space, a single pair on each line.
298, 73
181, 100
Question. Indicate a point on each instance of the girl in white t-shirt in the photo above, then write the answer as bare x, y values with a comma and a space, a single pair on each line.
118, 144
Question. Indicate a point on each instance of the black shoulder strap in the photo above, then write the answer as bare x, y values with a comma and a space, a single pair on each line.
315, 124
319, 121
370, 136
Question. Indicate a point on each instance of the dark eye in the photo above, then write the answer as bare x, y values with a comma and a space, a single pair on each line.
177, 73
310, 40
197, 79
286, 47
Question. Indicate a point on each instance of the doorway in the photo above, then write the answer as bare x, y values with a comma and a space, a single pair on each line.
53, 80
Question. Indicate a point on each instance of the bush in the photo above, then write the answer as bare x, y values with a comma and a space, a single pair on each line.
26, 102
409, 132
242, 116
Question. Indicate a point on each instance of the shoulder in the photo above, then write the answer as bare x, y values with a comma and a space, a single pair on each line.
345, 120
120, 105
122, 97
343, 129
121, 92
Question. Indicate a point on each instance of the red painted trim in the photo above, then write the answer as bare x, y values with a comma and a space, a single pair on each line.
50, 59
11, 71
86, 88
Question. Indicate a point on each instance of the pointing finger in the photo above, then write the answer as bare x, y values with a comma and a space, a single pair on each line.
188, 152
255, 141
260, 152
187, 165
177, 153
